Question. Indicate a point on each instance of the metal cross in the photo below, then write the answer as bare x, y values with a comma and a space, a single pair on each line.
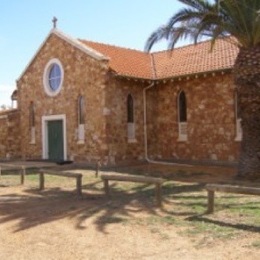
54, 20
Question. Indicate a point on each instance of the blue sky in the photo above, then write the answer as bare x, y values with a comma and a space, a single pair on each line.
24, 24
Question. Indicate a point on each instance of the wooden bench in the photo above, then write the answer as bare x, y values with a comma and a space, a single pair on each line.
77, 176
240, 189
133, 178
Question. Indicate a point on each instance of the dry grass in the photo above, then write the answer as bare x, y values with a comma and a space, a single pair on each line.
131, 209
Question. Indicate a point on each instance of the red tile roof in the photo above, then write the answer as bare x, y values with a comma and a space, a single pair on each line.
124, 61
187, 60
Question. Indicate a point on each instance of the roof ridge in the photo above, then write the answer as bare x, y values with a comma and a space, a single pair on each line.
190, 45
111, 45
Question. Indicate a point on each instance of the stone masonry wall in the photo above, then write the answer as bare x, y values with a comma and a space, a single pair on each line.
210, 118
210, 112
84, 76
119, 148
10, 134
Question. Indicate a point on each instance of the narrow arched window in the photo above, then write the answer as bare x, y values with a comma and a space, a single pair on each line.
81, 119
81, 110
31, 115
238, 119
130, 119
130, 109
32, 122
182, 107
182, 116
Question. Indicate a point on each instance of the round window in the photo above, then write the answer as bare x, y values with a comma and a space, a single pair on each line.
53, 77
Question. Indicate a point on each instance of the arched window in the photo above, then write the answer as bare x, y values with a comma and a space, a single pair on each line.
182, 107
130, 119
239, 132
32, 122
14, 98
182, 116
81, 119
31, 115
81, 110
130, 109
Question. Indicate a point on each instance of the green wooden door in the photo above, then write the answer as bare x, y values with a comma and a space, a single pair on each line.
55, 140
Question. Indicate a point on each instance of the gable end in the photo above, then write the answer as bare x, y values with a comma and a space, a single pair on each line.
74, 42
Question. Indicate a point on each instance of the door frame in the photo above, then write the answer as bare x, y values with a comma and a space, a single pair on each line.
45, 148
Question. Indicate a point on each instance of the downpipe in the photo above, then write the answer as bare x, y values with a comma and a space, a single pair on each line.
145, 134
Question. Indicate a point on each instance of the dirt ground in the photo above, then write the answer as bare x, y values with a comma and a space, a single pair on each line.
55, 224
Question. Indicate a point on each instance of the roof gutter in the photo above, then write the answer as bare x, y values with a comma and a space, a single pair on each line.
173, 78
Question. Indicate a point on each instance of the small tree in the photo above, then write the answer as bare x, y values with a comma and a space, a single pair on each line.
3, 107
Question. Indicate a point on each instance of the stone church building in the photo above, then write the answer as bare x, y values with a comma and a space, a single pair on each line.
87, 101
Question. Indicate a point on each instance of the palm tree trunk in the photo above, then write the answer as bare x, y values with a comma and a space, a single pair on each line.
247, 80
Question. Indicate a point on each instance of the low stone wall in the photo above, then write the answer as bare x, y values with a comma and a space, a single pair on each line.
10, 134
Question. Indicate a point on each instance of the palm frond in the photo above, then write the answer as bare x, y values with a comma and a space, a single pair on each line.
202, 18
161, 33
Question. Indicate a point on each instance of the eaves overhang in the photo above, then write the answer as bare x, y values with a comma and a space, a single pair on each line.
175, 77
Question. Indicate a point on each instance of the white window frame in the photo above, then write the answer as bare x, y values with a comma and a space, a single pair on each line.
46, 73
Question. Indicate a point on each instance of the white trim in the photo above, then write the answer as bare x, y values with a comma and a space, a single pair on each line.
131, 133
183, 132
74, 42
32, 135
81, 134
45, 120
81, 46
239, 132
182, 126
131, 138
238, 128
46, 74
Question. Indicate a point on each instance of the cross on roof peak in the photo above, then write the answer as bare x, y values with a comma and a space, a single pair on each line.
54, 21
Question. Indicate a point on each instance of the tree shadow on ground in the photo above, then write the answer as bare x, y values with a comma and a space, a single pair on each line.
31, 207
239, 226
36, 207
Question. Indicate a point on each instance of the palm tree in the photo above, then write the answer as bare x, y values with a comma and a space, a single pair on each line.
237, 21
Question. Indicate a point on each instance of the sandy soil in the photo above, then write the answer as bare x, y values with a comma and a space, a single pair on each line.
57, 225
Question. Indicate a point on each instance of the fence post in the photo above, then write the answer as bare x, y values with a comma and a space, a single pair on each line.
41, 178
158, 194
97, 168
79, 185
23, 172
210, 201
